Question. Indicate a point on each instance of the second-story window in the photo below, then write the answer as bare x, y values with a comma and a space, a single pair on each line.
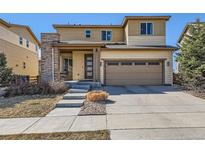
146, 28
88, 33
27, 42
20, 39
36, 47
106, 35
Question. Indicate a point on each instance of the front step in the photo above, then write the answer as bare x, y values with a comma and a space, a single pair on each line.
82, 84
92, 84
74, 96
70, 103
85, 87
78, 90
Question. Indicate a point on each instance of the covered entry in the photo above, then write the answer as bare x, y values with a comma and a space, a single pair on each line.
134, 72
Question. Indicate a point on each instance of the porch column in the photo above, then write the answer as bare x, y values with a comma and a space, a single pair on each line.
56, 65
47, 39
96, 64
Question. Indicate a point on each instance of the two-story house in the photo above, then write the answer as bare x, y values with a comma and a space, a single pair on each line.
132, 53
20, 46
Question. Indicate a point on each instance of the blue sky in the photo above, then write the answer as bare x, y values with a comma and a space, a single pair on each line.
43, 22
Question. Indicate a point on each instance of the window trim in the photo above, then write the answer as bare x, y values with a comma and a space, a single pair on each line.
106, 34
90, 33
146, 29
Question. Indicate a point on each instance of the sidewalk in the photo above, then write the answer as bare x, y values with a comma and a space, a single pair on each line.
50, 124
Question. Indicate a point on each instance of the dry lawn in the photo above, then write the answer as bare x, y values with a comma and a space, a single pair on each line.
27, 106
94, 135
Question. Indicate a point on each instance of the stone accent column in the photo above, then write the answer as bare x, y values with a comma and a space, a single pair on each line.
56, 64
96, 64
47, 39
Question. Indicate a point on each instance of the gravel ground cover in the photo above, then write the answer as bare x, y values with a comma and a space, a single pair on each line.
93, 108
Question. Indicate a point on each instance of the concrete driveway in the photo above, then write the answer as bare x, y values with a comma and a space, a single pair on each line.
154, 112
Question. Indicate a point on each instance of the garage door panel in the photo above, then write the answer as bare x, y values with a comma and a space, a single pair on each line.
134, 74
134, 70
133, 82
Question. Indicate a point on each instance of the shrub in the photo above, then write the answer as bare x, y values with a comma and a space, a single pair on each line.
57, 87
192, 58
33, 88
5, 71
95, 96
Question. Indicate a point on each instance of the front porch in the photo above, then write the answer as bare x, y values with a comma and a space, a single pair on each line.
76, 62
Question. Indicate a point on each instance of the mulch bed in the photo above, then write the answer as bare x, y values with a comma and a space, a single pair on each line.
89, 135
93, 108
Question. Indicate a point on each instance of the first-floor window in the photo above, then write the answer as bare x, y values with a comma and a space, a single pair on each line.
146, 28
106, 35
65, 65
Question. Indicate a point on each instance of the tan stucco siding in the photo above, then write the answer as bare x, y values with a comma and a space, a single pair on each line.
146, 40
9, 36
159, 27
133, 36
67, 34
140, 55
78, 64
24, 32
17, 55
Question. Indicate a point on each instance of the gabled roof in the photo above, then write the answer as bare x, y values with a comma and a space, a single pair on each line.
126, 18
186, 29
24, 26
84, 26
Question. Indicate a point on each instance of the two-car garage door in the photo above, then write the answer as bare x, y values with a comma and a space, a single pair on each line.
133, 73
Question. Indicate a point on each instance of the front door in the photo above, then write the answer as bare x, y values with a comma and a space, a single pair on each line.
88, 66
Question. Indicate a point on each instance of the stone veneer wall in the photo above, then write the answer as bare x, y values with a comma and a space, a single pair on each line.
47, 39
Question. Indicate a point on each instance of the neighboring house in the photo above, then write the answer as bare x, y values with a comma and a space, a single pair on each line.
183, 36
21, 47
133, 53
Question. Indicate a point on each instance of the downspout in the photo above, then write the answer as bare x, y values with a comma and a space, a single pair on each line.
52, 63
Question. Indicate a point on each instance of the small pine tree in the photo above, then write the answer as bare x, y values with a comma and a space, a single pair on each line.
5, 72
192, 58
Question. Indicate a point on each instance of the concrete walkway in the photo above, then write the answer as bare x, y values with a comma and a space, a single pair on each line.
52, 124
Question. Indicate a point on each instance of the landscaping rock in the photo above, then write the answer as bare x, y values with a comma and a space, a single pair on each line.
93, 108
